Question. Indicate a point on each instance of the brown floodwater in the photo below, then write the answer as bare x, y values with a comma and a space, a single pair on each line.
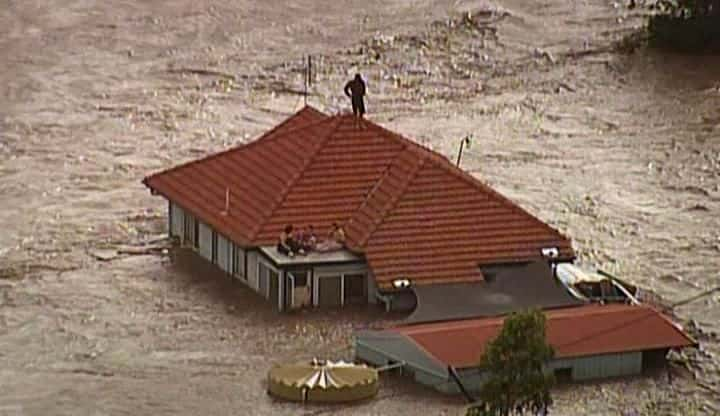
619, 151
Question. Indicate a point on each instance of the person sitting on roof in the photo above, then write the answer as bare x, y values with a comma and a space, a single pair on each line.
298, 235
287, 244
309, 241
338, 234
335, 241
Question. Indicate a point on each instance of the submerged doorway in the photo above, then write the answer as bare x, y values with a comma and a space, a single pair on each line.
297, 291
355, 288
330, 290
344, 288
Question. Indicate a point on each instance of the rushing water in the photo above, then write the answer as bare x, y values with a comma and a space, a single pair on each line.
619, 152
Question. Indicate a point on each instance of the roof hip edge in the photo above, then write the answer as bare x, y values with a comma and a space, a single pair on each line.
242, 146
318, 147
395, 198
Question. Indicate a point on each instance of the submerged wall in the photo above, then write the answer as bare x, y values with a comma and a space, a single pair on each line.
577, 369
601, 366
246, 265
213, 246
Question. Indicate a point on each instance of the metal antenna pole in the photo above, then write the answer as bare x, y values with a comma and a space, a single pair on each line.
307, 76
310, 74
465, 140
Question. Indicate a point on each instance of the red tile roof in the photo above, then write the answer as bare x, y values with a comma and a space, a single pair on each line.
199, 186
408, 209
573, 332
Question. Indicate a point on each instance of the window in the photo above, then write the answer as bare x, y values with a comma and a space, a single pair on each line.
239, 262
268, 282
263, 279
171, 214
196, 235
214, 247
191, 231
273, 286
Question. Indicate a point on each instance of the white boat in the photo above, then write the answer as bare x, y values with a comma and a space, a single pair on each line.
595, 286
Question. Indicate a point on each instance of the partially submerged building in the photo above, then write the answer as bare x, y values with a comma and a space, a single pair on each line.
412, 218
421, 235
590, 342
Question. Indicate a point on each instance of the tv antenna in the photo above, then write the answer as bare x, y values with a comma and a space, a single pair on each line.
308, 78
464, 142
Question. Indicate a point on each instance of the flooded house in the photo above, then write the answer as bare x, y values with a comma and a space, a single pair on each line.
412, 220
418, 234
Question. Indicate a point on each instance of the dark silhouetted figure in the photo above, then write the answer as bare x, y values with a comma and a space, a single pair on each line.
355, 89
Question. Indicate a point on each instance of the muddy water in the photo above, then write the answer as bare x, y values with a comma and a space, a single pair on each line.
619, 151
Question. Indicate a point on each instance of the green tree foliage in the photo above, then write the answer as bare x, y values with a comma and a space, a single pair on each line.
686, 25
514, 363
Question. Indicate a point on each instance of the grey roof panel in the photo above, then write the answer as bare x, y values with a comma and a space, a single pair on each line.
398, 347
512, 290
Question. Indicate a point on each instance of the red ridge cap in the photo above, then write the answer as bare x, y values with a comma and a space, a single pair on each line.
334, 122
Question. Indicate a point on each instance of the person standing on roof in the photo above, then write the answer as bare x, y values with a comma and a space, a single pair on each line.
355, 89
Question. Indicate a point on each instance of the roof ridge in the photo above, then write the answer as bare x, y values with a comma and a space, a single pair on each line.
396, 197
649, 313
442, 162
287, 120
365, 201
318, 147
243, 146
399, 138
551, 314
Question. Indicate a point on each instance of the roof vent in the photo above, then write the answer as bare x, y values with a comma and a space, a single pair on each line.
401, 283
551, 252
226, 211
